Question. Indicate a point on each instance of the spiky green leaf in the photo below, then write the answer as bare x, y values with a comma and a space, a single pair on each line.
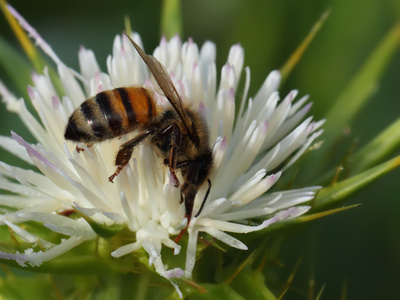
338, 192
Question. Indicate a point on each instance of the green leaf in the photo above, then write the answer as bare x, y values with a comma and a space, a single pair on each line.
34, 287
87, 264
348, 104
23, 38
289, 281
338, 192
298, 53
321, 291
378, 149
362, 86
217, 292
17, 67
325, 213
251, 285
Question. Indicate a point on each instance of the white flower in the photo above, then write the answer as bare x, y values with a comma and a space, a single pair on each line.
250, 154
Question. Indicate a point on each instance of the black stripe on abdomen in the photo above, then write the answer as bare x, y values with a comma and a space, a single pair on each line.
98, 129
74, 133
149, 103
113, 118
130, 113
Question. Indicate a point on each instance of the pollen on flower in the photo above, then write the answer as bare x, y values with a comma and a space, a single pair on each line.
250, 154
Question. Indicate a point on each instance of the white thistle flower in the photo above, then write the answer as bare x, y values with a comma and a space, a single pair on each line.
268, 136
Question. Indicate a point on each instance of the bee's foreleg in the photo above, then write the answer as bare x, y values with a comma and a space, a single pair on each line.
125, 152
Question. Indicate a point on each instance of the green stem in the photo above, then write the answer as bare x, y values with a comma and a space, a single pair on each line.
171, 18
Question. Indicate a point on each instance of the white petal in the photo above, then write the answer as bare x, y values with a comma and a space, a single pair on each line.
256, 189
228, 79
191, 250
19, 201
37, 258
285, 128
23, 234
302, 149
126, 249
229, 226
269, 86
12, 103
245, 92
244, 214
190, 56
71, 86
235, 59
208, 52
224, 115
225, 238
11, 145
88, 63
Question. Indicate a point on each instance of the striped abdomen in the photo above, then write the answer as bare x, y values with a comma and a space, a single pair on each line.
110, 114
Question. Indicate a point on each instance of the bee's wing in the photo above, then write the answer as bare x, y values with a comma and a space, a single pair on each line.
164, 81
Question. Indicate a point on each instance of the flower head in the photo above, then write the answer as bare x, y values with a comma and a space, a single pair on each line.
250, 153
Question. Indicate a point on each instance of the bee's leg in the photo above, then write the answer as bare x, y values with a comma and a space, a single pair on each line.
175, 142
125, 152
189, 201
79, 149
188, 192
196, 174
183, 164
194, 166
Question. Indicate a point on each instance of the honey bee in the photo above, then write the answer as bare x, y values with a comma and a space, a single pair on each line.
178, 134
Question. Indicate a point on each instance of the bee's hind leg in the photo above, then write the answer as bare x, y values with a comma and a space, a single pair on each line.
125, 152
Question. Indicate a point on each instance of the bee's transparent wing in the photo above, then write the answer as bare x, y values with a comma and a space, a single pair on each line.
165, 83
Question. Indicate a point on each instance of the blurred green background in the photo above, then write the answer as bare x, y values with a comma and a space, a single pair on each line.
359, 249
